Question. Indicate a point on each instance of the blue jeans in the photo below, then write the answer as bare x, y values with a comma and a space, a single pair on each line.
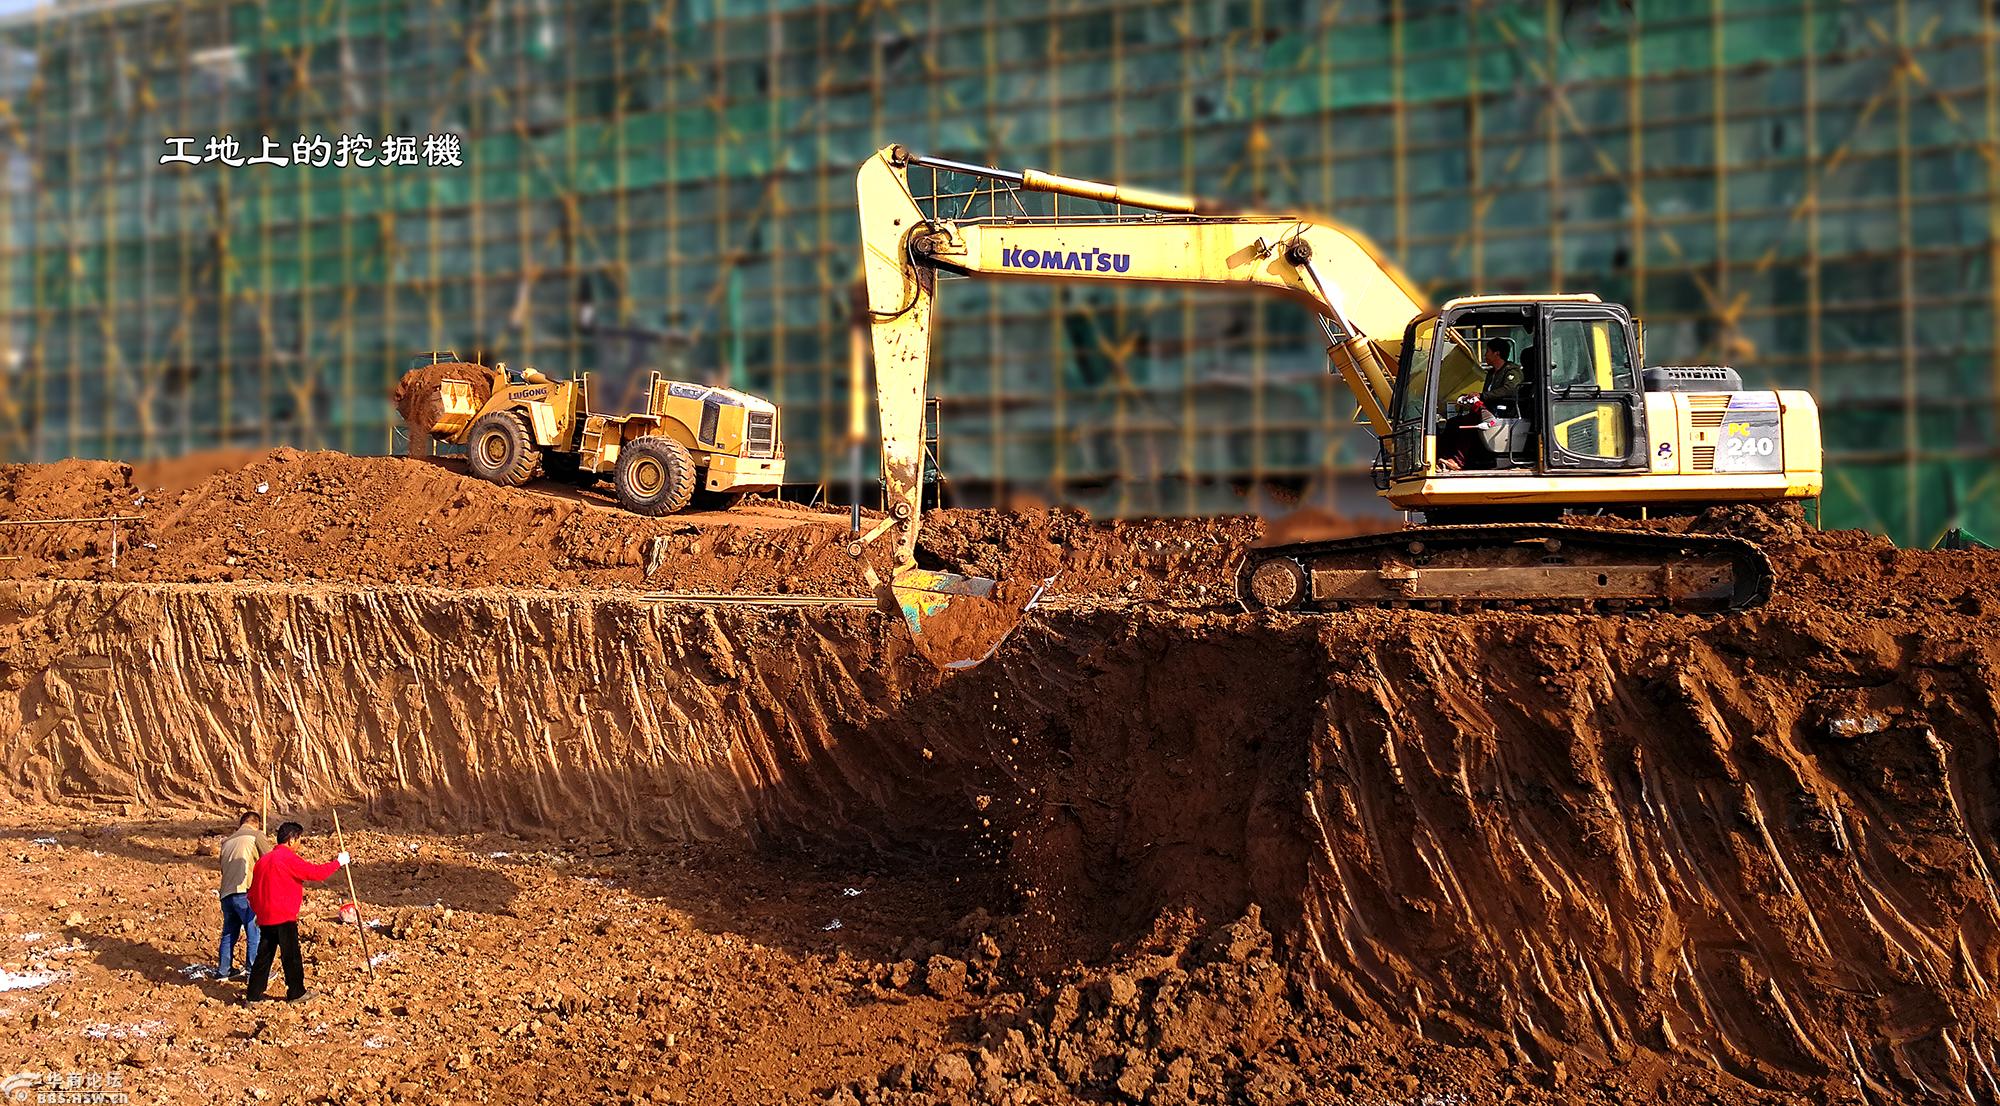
236, 915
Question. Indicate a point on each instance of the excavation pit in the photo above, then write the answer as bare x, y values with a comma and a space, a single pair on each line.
1166, 848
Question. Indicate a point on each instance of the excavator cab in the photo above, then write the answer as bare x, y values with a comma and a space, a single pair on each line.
1509, 386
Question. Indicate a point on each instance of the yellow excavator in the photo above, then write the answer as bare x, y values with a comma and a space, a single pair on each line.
1495, 415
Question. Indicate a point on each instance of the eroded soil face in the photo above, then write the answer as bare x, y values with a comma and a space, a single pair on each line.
1156, 850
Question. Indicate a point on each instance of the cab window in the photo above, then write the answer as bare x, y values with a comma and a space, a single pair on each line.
1417, 382
1588, 362
1590, 354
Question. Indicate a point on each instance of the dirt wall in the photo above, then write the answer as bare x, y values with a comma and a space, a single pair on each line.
531, 712
1763, 845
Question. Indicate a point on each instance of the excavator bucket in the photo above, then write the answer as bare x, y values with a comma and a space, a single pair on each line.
957, 621
922, 593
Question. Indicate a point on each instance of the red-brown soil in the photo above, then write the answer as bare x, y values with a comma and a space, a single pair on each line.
1156, 850
176, 475
506, 970
291, 516
417, 399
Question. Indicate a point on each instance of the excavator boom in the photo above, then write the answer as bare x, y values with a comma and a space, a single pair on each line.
1362, 299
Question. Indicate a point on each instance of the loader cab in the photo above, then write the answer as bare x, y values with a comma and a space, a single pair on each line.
1496, 386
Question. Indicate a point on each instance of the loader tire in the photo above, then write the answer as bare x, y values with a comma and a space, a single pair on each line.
655, 476
567, 468
499, 449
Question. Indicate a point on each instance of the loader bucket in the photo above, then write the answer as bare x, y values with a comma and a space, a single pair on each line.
958, 621
457, 404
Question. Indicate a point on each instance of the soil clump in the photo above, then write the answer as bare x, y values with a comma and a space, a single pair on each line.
418, 398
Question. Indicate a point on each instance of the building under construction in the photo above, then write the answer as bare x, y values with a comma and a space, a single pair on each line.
1803, 189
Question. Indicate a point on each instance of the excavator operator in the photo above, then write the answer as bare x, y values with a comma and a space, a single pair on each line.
1503, 374
1463, 441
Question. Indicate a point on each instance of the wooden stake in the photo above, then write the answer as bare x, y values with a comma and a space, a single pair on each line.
354, 897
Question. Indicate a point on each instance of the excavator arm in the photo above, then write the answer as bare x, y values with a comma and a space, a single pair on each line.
1363, 300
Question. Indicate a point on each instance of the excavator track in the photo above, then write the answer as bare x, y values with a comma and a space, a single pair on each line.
1537, 566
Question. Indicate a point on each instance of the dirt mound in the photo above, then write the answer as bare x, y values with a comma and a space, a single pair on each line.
416, 396
1185, 559
1187, 1019
1558, 839
1846, 572
1317, 524
1669, 857
175, 475
288, 515
67, 489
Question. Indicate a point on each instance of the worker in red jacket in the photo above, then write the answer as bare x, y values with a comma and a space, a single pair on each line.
277, 890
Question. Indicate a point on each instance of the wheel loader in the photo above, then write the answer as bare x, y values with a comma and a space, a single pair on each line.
1495, 415
693, 445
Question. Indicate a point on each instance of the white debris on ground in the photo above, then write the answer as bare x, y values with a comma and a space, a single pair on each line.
26, 981
131, 1031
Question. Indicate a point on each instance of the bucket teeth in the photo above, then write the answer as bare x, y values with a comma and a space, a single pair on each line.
922, 595
946, 583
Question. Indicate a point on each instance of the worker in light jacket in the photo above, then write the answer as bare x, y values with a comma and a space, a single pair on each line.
277, 890
239, 854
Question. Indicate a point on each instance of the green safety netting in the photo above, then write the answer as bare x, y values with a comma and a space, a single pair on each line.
687, 171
